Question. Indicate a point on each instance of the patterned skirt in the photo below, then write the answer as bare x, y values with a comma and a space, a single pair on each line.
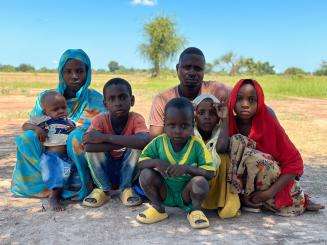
252, 170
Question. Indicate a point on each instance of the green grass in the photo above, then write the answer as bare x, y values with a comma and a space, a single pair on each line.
275, 86
279, 86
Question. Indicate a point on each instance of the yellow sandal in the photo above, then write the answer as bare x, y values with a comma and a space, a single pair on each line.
198, 220
98, 195
129, 194
150, 216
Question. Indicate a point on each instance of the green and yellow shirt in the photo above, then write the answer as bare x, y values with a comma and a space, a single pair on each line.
194, 153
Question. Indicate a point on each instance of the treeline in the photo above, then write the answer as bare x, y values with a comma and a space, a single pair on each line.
228, 64
232, 64
113, 67
24, 68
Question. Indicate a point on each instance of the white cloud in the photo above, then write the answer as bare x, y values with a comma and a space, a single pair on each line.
144, 2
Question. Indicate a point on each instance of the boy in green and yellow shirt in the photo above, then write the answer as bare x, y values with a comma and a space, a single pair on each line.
176, 167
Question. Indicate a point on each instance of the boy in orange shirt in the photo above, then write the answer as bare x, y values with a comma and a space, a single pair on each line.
112, 145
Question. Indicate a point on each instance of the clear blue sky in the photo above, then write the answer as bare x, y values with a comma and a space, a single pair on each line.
284, 32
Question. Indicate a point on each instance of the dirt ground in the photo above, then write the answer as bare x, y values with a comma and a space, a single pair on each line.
23, 222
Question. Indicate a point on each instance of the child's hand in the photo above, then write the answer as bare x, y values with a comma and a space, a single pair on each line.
162, 167
41, 133
176, 170
93, 137
221, 109
261, 196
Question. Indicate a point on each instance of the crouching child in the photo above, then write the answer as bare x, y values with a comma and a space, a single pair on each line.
176, 167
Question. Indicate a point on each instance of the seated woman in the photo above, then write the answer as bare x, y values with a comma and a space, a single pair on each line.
82, 104
211, 125
265, 165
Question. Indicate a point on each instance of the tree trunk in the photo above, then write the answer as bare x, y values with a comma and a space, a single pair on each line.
234, 70
156, 69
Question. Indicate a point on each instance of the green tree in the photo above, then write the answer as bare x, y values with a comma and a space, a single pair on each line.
262, 68
234, 65
25, 68
113, 66
230, 61
162, 42
322, 71
7, 68
291, 71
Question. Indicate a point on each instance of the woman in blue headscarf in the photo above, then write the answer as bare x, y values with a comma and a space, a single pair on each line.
83, 103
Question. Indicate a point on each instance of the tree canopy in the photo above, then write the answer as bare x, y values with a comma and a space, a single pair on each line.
162, 42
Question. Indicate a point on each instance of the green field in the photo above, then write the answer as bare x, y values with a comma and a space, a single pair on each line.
275, 86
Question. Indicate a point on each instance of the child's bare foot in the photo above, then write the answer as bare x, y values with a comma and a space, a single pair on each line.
54, 200
55, 204
247, 202
312, 206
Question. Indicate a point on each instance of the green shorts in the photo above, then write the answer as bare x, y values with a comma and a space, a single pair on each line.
175, 187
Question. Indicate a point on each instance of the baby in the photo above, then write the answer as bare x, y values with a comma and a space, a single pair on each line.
52, 129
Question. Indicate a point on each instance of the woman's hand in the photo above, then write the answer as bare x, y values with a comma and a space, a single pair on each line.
70, 128
261, 196
221, 109
93, 137
41, 133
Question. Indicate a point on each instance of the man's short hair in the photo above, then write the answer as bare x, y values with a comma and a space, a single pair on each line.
191, 50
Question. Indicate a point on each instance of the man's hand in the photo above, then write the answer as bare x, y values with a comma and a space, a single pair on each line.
221, 109
93, 137
176, 170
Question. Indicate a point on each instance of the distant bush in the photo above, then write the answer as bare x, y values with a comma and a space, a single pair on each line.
100, 71
322, 71
45, 69
113, 66
25, 68
7, 68
294, 71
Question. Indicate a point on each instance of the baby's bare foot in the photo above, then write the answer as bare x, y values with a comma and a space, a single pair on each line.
55, 204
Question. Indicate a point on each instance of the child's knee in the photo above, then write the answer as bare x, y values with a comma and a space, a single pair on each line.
95, 157
200, 185
147, 177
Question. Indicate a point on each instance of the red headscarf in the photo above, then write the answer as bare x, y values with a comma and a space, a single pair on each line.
270, 138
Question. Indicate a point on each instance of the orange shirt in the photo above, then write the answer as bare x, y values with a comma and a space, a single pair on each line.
219, 90
135, 124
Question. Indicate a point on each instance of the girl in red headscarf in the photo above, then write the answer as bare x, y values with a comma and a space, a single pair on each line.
265, 165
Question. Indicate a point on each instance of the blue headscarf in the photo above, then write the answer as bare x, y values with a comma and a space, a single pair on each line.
77, 105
